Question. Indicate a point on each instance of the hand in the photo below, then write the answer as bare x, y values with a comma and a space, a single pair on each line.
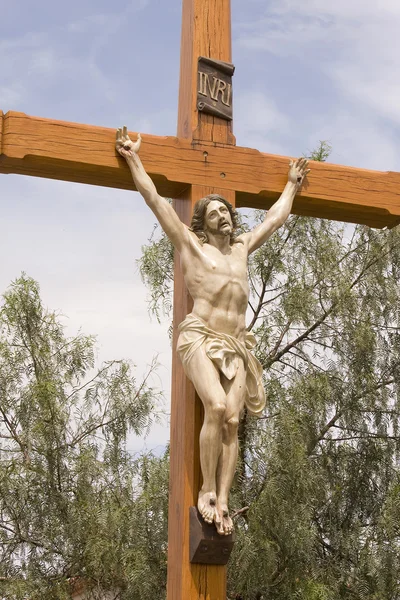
298, 170
124, 144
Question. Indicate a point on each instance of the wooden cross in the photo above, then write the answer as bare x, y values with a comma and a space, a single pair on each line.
202, 159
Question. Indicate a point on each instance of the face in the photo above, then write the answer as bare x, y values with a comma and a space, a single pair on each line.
218, 219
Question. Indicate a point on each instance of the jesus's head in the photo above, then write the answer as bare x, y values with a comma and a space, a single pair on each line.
198, 224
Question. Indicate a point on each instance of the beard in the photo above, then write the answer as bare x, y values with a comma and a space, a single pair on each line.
220, 229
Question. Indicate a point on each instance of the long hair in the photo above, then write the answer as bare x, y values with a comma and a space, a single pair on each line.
199, 213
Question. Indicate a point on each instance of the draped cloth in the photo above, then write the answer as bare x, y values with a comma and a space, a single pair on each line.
224, 350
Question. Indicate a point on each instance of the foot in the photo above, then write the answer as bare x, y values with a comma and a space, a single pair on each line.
207, 505
223, 522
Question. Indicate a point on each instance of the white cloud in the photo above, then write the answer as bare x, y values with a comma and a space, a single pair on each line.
45, 68
348, 53
89, 24
356, 44
259, 121
11, 95
81, 242
342, 9
257, 111
105, 68
355, 135
136, 5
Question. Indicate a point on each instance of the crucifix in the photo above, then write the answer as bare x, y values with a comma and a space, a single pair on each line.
201, 160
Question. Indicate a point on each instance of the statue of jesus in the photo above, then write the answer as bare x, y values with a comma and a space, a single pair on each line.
213, 344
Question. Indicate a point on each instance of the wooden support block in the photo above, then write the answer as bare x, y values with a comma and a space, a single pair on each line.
206, 546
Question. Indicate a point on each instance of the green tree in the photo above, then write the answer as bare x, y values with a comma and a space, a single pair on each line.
319, 472
75, 505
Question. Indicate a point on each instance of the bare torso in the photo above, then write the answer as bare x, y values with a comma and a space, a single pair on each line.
218, 284
216, 277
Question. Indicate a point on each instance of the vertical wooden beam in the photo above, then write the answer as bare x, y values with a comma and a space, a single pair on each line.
206, 31
187, 581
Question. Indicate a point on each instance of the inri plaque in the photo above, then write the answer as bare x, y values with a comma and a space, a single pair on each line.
214, 92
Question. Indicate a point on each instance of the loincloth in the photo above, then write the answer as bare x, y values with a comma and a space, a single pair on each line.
224, 350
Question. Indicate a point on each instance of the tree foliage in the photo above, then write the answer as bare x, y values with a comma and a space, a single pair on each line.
157, 270
320, 471
74, 503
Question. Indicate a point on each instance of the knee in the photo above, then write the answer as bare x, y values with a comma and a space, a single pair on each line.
231, 427
216, 411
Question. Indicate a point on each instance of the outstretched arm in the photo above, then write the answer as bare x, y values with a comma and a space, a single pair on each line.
167, 217
279, 212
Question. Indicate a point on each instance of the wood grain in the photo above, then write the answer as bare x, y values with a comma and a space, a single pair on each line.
206, 31
187, 581
86, 154
202, 159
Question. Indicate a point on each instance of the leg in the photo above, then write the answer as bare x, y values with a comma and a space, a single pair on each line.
206, 380
235, 390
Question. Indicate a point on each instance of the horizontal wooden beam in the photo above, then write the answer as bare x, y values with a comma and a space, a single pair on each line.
86, 154
73, 152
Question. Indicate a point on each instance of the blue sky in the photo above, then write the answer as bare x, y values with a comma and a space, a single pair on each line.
305, 71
